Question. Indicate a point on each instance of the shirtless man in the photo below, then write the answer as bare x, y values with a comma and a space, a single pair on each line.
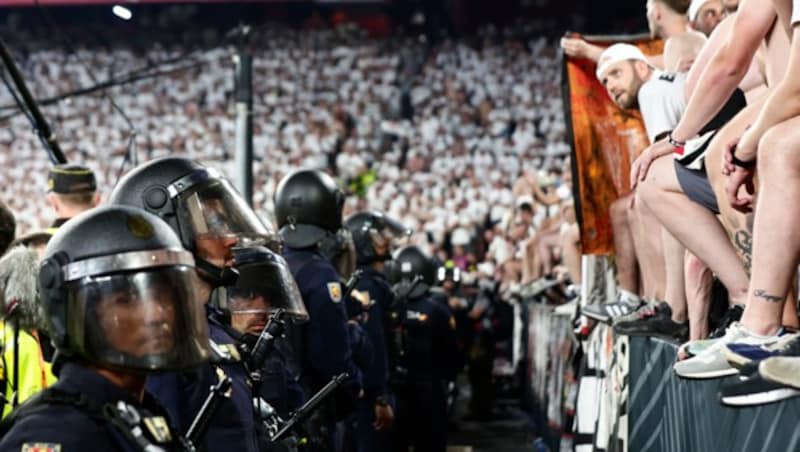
705, 15
774, 140
754, 24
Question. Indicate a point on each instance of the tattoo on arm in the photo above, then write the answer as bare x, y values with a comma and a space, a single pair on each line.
761, 293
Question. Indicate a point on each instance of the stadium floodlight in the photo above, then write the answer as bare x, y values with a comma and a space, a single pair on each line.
122, 12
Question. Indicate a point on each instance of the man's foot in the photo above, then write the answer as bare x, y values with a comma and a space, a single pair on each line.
781, 369
739, 355
694, 348
624, 304
755, 390
646, 309
659, 324
711, 363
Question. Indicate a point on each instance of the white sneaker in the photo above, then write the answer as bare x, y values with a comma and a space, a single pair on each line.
711, 362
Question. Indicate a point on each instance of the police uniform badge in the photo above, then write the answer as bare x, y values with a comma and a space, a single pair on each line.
41, 447
158, 428
362, 297
335, 291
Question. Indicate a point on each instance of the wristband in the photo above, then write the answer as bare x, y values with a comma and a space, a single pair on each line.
381, 401
741, 163
675, 143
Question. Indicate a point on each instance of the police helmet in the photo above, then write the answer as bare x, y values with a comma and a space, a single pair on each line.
373, 233
308, 208
265, 284
413, 272
448, 272
198, 203
118, 289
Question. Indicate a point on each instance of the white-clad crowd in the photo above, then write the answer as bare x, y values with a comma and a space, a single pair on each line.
445, 130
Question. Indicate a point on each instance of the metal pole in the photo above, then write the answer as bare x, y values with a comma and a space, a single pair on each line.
42, 128
244, 123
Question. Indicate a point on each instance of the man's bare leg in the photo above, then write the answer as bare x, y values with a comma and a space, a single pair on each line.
571, 251
693, 225
649, 251
738, 225
699, 281
776, 237
626, 259
676, 291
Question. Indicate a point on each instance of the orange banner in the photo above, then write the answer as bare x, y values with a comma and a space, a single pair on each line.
605, 140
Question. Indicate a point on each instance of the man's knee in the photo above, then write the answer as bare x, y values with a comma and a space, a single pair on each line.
652, 188
779, 149
619, 212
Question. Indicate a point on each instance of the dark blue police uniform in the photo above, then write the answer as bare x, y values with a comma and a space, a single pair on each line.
233, 425
60, 425
279, 381
322, 344
375, 285
430, 357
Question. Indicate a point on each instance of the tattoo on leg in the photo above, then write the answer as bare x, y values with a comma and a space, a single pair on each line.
744, 244
761, 293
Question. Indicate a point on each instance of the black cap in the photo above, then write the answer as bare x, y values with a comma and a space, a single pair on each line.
66, 179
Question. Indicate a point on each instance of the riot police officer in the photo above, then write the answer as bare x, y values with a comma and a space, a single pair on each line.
373, 234
119, 295
427, 357
308, 210
264, 288
210, 218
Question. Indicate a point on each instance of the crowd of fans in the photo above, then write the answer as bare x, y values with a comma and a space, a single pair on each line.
461, 140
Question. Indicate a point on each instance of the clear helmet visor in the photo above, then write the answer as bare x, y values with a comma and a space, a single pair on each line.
213, 210
261, 289
146, 320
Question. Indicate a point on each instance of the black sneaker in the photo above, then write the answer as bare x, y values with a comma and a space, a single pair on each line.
753, 389
660, 324
733, 314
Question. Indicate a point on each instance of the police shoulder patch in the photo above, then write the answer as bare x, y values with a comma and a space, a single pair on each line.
158, 427
335, 291
41, 447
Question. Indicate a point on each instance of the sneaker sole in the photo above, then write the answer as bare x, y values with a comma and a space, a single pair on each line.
707, 375
598, 317
760, 398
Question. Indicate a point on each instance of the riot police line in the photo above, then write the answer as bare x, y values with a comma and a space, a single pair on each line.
181, 321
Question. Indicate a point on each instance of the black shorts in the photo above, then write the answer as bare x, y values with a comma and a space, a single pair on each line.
697, 187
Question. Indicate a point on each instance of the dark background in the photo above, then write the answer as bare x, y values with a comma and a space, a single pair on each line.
442, 17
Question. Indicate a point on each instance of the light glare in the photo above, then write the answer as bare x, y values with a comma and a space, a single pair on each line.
122, 12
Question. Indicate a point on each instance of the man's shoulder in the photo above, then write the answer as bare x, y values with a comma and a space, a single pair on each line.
57, 427
663, 83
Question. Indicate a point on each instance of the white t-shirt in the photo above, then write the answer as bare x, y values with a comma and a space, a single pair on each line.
662, 102
795, 11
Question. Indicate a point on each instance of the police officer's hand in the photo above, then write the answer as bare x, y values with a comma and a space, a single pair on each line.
384, 417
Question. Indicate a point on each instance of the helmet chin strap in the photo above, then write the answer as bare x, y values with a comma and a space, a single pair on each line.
215, 275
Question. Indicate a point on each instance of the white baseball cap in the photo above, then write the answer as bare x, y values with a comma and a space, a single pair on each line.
694, 8
616, 53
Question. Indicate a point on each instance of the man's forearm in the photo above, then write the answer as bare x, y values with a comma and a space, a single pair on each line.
718, 82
